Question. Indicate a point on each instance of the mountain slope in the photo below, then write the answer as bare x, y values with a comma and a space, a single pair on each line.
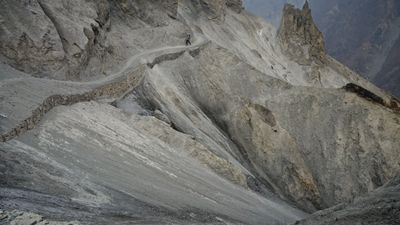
360, 34
379, 207
235, 129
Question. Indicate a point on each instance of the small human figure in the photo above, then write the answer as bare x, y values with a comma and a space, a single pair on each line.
188, 42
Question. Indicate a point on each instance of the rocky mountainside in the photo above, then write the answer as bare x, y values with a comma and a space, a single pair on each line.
362, 34
371, 44
107, 117
271, 10
379, 207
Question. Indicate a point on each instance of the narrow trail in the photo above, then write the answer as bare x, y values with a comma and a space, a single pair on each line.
130, 63
110, 86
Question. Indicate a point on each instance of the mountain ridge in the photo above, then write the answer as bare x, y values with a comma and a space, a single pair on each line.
360, 34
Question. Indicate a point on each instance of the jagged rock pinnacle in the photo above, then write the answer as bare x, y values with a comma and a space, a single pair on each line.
306, 6
298, 32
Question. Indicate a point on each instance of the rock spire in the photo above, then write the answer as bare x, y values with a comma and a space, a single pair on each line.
299, 35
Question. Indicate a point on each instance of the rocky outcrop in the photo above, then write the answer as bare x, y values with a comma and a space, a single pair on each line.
300, 37
342, 138
54, 39
29, 41
146, 10
216, 9
199, 151
235, 5
274, 154
381, 207
81, 27
362, 34
393, 103
166, 57
171, 6
16, 217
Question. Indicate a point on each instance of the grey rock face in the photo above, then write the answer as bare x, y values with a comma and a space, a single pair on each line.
299, 35
340, 147
362, 34
146, 10
271, 10
25, 218
29, 41
161, 116
75, 40
81, 26
229, 130
235, 5
171, 6
176, 173
381, 207
282, 136
216, 9
69, 35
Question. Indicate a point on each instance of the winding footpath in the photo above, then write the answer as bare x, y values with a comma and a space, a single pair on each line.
112, 86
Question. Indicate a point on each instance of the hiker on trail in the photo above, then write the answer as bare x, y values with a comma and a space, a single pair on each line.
188, 40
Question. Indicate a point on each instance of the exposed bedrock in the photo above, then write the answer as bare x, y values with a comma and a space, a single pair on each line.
81, 26
241, 127
25, 45
153, 12
380, 207
392, 103
300, 37
22, 218
75, 40
349, 143
216, 9
273, 153
314, 147
235, 5
55, 39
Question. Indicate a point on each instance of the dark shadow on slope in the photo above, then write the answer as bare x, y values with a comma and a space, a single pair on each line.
394, 104
166, 57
